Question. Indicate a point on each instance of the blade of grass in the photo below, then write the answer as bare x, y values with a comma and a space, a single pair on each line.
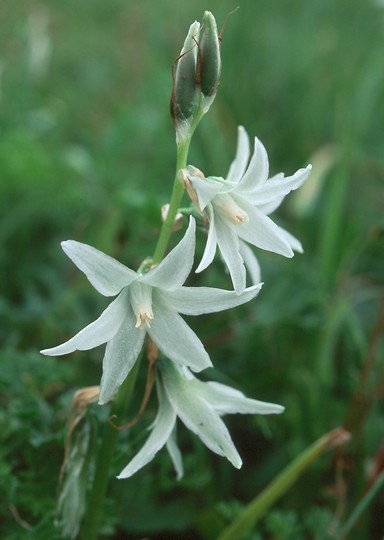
258, 506
362, 506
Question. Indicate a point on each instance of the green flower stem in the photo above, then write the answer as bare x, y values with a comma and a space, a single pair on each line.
177, 195
96, 498
177, 192
258, 506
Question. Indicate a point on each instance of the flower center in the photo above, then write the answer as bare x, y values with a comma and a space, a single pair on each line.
227, 207
141, 301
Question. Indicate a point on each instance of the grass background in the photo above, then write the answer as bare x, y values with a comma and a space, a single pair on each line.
87, 152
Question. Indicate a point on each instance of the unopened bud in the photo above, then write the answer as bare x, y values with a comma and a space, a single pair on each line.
196, 77
185, 97
209, 65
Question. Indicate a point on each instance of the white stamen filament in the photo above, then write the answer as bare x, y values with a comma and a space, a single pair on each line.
141, 301
230, 209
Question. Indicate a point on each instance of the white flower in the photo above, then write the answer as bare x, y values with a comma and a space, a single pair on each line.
238, 207
199, 405
146, 303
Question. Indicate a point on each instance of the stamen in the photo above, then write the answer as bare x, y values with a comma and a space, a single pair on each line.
230, 209
141, 301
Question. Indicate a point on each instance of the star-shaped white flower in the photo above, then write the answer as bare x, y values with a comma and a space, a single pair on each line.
238, 206
199, 405
146, 303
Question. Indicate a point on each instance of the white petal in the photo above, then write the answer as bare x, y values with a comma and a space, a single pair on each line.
98, 332
175, 268
262, 232
239, 164
120, 355
206, 189
161, 431
228, 242
275, 189
293, 242
199, 300
210, 247
257, 172
227, 400
268, 208
175, 339
175, 454
197, 414
250, 261
107, 275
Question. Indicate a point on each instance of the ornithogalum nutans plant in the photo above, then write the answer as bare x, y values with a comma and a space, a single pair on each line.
146, 313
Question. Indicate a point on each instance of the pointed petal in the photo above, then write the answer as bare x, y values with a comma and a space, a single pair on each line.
257, 172
161, 431
96, 333
210, 247
227, 400
175, 268
262, 232
175, 339
228, 242
199, 300
275, 189
268, 208
197, 414
250, 261
107, 275
206, 189
120, 355
239, 164
175, 454
293, 242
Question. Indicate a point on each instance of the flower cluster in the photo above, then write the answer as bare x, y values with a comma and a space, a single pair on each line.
149, 302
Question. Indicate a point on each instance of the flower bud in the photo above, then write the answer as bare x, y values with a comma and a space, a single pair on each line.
209, 64
185, 96
196, 77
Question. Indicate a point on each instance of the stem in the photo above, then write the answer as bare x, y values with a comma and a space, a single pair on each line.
177, 195
97, 495
178, 189
96, 498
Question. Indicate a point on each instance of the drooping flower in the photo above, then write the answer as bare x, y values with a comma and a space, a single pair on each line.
199, 405
238, 207
146, 303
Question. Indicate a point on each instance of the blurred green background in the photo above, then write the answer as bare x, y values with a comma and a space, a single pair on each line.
87, 152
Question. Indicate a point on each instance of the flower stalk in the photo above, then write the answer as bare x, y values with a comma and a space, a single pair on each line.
177, 195
98, 491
